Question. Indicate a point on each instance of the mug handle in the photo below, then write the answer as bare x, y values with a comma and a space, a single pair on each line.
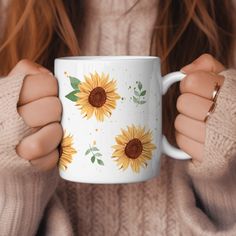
167, 148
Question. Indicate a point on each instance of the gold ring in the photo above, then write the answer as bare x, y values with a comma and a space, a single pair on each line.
215, 92
212, 108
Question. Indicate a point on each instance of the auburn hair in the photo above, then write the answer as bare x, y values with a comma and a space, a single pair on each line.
185, 29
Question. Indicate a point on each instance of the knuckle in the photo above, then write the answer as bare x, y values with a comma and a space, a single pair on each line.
54, 105
58, 126
34, 147
177, 122
188, 83
23, 63
58, 129
191, 80
206, 58
52, 84
178, 139
180, 102
58, 106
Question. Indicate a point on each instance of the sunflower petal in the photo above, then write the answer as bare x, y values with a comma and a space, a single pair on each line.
125, 136
110, 86
67, 152
122, 140
99, 115
118, 153
91, 82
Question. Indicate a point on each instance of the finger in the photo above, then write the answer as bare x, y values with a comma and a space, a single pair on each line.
40, 143
201, 83
205, 62
193, 106
47, 162
191, 147
38, 86
41, 112
27, 67
193, 129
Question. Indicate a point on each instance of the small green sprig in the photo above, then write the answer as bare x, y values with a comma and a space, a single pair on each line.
94, 154
138, 97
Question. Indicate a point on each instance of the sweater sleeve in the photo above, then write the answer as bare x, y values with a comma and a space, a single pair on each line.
205, 192
55, 221
24, 190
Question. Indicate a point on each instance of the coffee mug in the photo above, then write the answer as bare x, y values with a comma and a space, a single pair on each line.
112, 118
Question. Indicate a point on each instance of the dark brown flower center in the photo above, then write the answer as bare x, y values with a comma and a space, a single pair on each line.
133, 148
97, 97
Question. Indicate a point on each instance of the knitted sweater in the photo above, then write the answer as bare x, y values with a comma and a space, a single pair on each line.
185, 199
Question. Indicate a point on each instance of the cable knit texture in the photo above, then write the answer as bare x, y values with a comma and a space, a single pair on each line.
12, 126
210, 185
24, 191
186, 199
220, 142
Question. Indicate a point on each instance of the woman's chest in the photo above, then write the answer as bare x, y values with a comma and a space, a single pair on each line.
118, 27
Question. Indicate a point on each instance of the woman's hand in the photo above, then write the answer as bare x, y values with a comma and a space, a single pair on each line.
40, 109
194, 103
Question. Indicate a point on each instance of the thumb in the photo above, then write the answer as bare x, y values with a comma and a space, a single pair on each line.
27, 67
205, 62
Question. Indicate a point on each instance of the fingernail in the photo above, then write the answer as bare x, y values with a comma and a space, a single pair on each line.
188, 68
182, 71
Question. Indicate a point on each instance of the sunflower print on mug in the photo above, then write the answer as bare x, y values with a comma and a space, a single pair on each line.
133, 148
95, 96
67, 151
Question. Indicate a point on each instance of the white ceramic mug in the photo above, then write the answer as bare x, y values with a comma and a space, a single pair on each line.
112, 118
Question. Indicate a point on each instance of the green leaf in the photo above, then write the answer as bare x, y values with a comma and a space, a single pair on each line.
100, 162
74, 82
135, 99
140, 85
93, 159
143, 93
88, 151
71, 96
95, 149
98, 154
141, 102
136, 93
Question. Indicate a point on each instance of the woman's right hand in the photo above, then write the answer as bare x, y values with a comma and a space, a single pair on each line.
40, 109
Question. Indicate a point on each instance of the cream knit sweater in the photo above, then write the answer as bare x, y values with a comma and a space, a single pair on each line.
185, 199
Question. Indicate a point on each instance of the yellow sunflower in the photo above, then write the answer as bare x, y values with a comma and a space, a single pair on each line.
97, 96
133, 147
67, 151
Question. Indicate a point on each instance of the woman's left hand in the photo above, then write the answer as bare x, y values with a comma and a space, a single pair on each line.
194, 103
